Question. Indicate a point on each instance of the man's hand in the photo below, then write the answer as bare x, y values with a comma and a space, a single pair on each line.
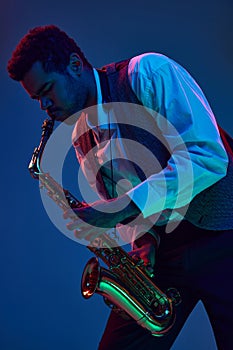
145, 248
94, 219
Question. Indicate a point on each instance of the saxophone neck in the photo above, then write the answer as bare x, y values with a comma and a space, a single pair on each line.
34, 165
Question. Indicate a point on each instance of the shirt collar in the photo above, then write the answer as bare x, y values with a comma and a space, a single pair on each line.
97, 81
102, 113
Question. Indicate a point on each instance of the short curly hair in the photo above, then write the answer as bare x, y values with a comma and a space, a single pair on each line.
47, 44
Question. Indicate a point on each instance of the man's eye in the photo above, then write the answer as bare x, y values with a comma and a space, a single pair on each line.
48, 89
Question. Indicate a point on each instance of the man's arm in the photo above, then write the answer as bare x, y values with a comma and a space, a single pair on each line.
187, 123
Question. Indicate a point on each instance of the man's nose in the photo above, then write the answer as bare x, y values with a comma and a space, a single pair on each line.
45, 103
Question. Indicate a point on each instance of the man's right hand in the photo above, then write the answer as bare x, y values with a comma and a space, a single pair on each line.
145, 248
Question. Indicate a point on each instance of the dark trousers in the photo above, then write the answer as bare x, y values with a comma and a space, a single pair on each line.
199, 264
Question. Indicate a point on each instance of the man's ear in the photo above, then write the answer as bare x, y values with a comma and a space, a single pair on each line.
75, 64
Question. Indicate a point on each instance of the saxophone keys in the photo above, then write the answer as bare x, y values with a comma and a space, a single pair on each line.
174, 295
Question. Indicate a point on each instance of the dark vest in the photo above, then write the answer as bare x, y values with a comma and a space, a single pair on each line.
212, 209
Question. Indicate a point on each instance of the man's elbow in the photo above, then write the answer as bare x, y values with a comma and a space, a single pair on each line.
221, 164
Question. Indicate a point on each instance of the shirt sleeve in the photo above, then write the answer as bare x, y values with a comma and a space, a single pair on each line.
187, 123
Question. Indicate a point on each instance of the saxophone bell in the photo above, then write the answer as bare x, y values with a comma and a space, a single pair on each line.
90, 278
143, 301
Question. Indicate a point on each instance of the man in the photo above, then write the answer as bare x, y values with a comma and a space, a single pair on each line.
180, 131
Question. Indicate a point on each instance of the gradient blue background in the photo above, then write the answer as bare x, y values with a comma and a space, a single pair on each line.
40, 303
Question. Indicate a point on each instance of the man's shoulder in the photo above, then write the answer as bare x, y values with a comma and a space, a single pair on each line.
148, 61
145, 60
154, 56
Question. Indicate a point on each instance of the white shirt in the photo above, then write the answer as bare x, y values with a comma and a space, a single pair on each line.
198, 156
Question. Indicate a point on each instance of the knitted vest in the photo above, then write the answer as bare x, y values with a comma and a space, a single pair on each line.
212, 208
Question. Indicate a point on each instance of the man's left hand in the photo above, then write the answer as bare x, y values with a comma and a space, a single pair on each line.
96, 218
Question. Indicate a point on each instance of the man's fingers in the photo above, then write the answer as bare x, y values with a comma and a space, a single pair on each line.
88, 234
68, 214
146, 253
73, 225
150, 271
79, 234
144, 261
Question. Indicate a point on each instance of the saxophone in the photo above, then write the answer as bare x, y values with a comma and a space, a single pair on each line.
125, 285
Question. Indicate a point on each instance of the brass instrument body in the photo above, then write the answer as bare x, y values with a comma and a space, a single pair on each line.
126, 285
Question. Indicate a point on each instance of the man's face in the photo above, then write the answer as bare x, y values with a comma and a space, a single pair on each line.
59, 94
